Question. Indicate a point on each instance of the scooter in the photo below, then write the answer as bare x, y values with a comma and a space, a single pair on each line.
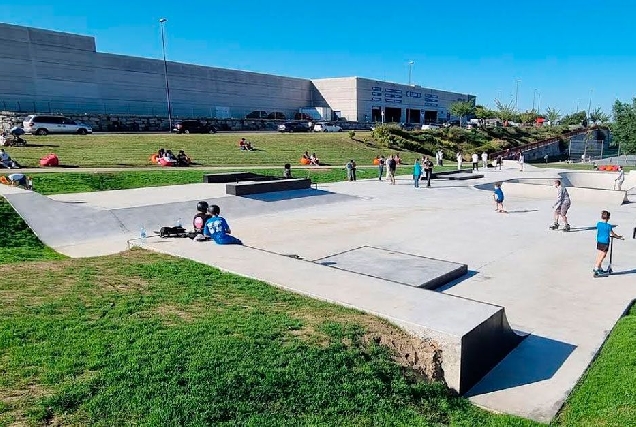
609, 266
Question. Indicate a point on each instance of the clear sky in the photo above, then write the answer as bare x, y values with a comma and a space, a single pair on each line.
565, 50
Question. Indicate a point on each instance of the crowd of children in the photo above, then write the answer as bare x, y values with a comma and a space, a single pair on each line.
167, 158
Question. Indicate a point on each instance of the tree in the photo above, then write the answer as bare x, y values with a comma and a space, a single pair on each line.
624, 126
552, 115
528, 117
461, 109
483, 114
574, 119
598, 116
505, 112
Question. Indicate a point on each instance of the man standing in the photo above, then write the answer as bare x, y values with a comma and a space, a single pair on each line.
428, 170
459, 160
349, 168
392, 166
475, 159
381, 163
484, 160
521, 161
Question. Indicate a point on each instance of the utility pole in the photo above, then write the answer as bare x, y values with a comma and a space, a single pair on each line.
534, 98
589, 105
162, 22
410, 70
517, 96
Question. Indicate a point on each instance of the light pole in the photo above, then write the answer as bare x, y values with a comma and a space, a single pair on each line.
539, 104
410, 70
517, 95
534, 99
162, 22
589, 105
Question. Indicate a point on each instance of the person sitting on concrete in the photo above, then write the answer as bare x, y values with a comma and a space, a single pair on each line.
7, 162
217, 229
287, 171
198, 222
313, 160
183, 159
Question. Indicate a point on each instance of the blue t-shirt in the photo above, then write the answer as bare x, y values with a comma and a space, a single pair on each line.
216, 228
499, 194
417, 169
603, 232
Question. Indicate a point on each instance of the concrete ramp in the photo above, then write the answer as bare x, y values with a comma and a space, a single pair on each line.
543, 188
600, 180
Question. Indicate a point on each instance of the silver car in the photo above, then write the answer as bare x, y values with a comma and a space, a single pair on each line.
37, 124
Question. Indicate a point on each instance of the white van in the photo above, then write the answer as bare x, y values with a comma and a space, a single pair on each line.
37, 124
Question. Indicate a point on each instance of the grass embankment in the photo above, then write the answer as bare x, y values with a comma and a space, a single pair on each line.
206, 150
146, 339
56, 183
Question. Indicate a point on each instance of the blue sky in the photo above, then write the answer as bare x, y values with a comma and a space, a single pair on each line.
566, 50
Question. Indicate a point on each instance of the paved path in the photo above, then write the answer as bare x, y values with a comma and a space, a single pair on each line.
542, 278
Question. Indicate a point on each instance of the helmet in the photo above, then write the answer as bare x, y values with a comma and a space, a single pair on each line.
202, 207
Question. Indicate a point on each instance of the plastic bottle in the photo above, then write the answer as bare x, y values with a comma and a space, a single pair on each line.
142, 235
178, 223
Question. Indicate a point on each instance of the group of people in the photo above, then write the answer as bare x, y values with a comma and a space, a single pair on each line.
312, 159
168, 157
390, 165
6, 162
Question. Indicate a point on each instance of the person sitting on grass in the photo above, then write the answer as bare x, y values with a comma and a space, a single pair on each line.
18, 180
306, 155
217, 229
498, 196
7, 162
287, 171
169, 157
183, 159
161, 153
313, 160
245, 145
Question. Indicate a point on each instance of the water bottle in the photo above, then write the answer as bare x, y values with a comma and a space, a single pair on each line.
178, 223
143, 235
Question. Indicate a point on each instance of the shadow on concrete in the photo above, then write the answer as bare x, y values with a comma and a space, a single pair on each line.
450, 285
535, 359
579, 229
523, 211
287, 195
623, 273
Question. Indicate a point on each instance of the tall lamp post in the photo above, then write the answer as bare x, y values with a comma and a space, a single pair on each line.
162, 22
410, 70
517, 95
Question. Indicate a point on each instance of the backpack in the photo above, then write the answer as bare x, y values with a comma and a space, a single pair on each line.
165, 232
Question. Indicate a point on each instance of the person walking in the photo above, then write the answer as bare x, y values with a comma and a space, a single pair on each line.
381, 163
417, 173
353, 169
484, 160
521, 161
475, 159
561, 206
618, 183
459, 160
499, 161
391, 168
428, 170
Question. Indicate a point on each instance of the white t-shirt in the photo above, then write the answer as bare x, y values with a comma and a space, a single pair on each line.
521, 158
459, 157
484, 156
475, 158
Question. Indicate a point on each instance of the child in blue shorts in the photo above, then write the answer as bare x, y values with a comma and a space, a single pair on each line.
498, 196
604, 232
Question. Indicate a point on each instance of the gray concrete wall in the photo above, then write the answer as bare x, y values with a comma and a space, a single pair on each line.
339, 94
46, 71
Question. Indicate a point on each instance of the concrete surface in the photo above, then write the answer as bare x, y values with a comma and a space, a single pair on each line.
541, 277
397, 267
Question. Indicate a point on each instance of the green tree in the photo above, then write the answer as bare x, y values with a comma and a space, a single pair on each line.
483, 114
574, 118
505, 112
552, 115
598, 116
624, 126
528, 117
462, 109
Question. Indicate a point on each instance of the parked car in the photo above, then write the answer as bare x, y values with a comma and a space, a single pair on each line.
193, 126
293, 127
37, 124
327, 127
429, 127
258, 114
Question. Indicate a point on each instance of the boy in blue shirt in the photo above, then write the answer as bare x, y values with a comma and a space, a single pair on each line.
498, 195
604, 232
216, 228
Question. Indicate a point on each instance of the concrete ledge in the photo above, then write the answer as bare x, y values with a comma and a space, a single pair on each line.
252, 187
225, 177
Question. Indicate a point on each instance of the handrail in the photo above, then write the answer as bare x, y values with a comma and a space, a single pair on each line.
539, 144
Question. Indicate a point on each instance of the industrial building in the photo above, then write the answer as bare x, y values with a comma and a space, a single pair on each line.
48, 71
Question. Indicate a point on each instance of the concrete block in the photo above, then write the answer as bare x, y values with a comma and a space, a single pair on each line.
253, 187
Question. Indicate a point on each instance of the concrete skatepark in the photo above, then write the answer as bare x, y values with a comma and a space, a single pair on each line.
367, 245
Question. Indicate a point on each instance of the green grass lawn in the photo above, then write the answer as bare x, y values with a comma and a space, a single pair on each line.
108, 150
56, 183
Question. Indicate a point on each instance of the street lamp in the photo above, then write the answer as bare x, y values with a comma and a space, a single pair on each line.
517, 95
162, 22
410, 70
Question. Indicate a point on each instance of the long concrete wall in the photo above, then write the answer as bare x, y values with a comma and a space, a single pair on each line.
46, 71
